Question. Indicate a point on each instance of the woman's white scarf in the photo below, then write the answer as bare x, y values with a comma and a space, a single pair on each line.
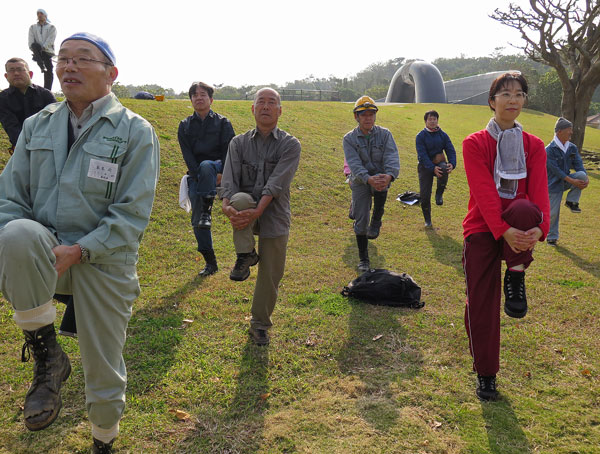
509, 166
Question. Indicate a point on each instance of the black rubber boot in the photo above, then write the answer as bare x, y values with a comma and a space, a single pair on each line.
100, 447
363, 253
51, 368
379, 199
211, 263
205, 221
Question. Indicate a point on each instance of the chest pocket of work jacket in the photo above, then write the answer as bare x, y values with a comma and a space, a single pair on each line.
101, 152
43, 167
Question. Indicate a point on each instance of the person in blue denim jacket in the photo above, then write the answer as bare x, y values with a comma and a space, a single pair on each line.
372, 156
562, 157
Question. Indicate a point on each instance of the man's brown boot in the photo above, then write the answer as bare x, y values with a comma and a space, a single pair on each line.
51, 368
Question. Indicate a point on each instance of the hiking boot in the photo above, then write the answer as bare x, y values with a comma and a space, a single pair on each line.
574, 206
364, 265
515, 303
100, 447
241, 270
373, 230
439, 199
51, 368
205, 221
551, 242
209, 270
259, 336
486, 388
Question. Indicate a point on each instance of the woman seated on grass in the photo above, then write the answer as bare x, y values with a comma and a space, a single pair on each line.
508, 214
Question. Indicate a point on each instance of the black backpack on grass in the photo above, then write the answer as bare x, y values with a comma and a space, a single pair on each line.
386, 288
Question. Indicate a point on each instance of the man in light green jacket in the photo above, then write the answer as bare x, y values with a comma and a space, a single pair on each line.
75, 199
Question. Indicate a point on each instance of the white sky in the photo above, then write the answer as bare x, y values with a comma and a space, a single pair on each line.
245, 42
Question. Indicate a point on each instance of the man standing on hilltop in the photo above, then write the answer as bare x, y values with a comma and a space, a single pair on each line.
21, 99
562, 157
372, 156
204, 137
75, 199
255, 190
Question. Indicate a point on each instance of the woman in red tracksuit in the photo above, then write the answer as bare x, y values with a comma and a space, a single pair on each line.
509, 212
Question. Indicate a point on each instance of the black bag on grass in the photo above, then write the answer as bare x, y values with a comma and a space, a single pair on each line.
386, 288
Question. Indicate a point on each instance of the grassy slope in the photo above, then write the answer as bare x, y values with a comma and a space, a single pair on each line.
324, 386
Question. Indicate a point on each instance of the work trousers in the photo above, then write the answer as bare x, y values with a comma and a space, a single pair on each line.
272, 253
362, 199
482, 257
44, 61
573, 196
200, 188
103, 296
426, 177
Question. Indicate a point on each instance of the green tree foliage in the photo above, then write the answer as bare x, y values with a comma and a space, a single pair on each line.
548, 95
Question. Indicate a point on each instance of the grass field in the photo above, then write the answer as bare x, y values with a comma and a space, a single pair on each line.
324, 385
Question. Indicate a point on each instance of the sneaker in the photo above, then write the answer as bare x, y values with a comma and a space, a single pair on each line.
259, 336
515, 303
574, 206
439, 199
373, 230
428, 225
486, 388
364, 265
209, 270
241, 270
551, 242
100, 447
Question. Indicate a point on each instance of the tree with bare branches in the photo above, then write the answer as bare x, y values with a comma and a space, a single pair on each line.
565, 35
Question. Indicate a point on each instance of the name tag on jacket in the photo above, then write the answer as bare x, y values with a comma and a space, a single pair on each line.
102, 170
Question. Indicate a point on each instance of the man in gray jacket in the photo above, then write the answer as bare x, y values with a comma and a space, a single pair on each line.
372, 156
75, 199
255, 189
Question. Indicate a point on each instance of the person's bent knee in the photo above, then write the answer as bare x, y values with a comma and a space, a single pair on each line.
242, 201
580, 175
20, 234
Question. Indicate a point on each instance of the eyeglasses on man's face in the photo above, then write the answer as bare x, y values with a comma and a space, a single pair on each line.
81, 62
16, 70
520, 96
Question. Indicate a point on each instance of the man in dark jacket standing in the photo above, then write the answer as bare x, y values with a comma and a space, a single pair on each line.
562, 157
21, 99
204, 137
431, 145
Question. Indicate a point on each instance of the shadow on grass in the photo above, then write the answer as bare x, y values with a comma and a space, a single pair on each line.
154, 333
505, 434
447, 250
240, 429
350, 257
590, 267
378, 362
